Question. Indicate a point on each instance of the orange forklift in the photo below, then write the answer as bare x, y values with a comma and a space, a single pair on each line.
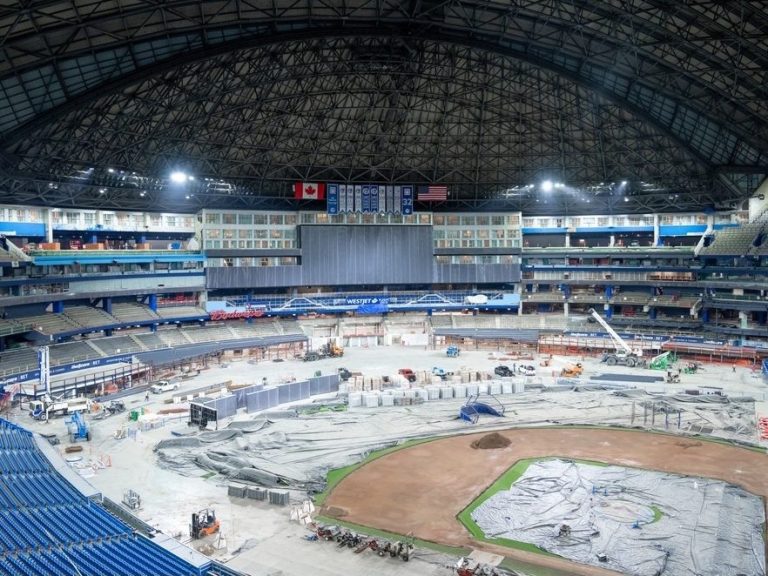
204, 523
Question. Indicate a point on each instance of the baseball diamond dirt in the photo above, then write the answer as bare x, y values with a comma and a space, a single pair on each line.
421, 489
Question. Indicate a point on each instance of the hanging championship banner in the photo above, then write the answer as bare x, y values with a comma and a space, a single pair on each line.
332, 196
369, 198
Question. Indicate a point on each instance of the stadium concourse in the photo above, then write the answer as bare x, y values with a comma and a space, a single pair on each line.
245, 247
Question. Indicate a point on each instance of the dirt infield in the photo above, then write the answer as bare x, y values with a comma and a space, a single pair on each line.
421, 489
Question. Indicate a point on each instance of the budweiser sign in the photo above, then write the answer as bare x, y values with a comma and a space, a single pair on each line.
250, 313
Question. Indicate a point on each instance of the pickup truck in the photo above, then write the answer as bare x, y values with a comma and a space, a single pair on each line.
408, 373
163, 386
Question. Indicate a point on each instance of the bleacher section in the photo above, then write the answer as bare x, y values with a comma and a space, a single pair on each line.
89, 317
256, 329
71, 352
51, 323
127, 312
288, 326
18, 360
50, 529
674, 301
209, 334
117, 345
734, 241
173, 337
151, 341
631, 298
171, 312
9, 326
543, 297
442, 321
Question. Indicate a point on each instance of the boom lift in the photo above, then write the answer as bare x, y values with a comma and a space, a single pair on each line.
624, 354
78, 428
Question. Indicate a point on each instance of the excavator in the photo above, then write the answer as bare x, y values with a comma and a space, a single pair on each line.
204, 523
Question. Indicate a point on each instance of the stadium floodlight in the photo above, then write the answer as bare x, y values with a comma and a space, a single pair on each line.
547, 186
623, 182
178, 177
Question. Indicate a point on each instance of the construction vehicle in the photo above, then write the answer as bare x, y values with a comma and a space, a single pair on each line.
409, 374
692, 368
78, 428
329, 350
47, 407
312, 356
624, 354
503, 371
663, 361
437, 371
452, 351
204, 523
333, 350
115, 407
672, 378
526, 370
572, 371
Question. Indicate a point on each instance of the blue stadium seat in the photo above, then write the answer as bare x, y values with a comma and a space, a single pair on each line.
57, 531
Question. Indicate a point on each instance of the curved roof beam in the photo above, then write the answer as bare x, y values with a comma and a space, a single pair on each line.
710, 142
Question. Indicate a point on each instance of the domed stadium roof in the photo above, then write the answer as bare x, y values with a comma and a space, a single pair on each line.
629, 106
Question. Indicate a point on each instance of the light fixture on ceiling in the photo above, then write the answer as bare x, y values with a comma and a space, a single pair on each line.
547, 186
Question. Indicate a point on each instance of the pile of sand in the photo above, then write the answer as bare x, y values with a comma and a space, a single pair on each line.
491, 442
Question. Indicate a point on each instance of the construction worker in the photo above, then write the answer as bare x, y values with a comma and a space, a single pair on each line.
146, 396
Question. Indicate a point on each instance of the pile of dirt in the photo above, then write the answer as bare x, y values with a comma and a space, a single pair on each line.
335, 512
491, 442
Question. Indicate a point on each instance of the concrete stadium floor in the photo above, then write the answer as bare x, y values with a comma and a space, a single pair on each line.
270, 543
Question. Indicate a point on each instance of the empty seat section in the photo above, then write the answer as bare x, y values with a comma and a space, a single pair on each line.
71, 352
127, 312
117, 345
51, 323
181, 312
89, 317
209, 334
173, 337
151, 341
18, 360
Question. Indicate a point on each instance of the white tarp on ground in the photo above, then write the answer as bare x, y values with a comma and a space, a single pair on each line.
706, 527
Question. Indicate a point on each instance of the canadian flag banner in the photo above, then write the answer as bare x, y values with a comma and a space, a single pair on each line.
309, 191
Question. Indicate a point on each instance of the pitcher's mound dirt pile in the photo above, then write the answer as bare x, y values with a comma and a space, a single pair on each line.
491, 442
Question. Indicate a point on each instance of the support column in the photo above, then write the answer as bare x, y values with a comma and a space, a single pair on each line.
705, 315
106, 304
743, 320
652, 313
49, 225
656, 237
565, 309
567, 240
608, 306
612, 241
58, 307
94, 238
152, 302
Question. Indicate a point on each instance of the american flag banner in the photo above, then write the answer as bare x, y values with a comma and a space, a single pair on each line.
432, 193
